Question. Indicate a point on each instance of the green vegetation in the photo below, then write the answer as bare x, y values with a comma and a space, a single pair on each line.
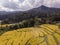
32, 22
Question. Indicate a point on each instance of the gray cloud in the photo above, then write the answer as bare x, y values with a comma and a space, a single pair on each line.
11, 5
21, 1
57, 5
27, 4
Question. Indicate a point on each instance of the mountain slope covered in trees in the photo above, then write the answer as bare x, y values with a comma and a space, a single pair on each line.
42, 12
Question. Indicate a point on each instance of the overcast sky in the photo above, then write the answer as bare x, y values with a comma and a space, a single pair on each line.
22, 5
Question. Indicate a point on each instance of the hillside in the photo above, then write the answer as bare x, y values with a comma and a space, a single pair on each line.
42, 12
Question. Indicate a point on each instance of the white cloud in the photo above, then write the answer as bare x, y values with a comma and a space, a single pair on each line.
11, 5
5, 9
51, 3
2, 8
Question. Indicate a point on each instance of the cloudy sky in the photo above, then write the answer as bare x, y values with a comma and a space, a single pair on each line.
22, 5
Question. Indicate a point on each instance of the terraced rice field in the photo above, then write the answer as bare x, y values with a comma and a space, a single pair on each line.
6, 25
46, 34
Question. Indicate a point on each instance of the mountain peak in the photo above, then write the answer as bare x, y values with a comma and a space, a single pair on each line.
43, 7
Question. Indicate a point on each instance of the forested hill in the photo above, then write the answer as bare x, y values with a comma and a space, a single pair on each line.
42, 12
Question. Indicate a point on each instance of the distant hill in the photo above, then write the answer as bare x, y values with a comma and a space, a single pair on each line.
45, 9
40, 12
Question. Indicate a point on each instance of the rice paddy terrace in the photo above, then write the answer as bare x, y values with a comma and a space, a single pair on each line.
46, 34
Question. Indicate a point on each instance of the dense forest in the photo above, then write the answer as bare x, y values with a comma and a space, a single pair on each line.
44, 17
45, 14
